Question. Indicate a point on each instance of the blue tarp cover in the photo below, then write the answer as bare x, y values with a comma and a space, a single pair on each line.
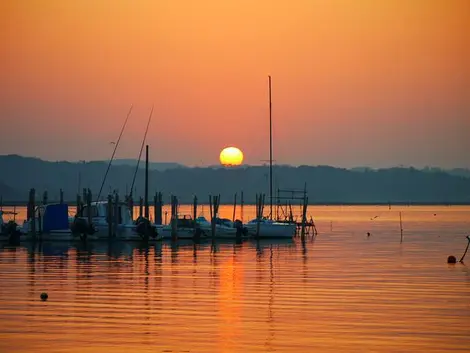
56, 217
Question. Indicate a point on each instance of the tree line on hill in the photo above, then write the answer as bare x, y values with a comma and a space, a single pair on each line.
326, 185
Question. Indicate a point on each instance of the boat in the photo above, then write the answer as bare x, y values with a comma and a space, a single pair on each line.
9, 231
269, 228
186, 228
53, 223
224, 228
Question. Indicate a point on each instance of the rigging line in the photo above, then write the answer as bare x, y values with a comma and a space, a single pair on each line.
114, 152
140, 153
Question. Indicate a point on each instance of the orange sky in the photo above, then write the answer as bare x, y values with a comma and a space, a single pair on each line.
355, 82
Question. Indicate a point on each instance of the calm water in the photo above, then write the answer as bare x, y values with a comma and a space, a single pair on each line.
340, 292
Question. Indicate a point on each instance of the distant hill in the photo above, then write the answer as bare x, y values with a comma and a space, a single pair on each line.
325, 184
152, 165
7, 192
456, 171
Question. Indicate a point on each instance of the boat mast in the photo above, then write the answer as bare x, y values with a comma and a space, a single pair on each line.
114, 152
140, 153
270, 154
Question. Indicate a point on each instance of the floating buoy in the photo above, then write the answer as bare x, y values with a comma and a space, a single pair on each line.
44, 296
451, 259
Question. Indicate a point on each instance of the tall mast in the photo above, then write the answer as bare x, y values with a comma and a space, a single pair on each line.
270, 154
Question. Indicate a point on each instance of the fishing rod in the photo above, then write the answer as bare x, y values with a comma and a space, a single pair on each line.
114, 152
140, 153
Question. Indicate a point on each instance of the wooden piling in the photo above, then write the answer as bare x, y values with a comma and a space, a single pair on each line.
258, 217
88, 204
61, 196
28, 209
130, 205
116, 215
44, 198
39, 232
155, 205
109, 217
32, 201
174, 217
210, 207
79, 206
194, 213
214, 213
194, 207
84, 194
304, 218
146, 192
241, 205
234, 207
401, 229
141, 207
158, 208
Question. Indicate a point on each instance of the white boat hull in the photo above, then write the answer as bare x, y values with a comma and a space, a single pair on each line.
124, 232
272, 230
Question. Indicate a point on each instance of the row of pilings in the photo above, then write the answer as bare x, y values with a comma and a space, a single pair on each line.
85, 199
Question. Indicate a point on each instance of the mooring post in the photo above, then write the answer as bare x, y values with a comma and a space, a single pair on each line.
88, 204
194, 214
84, 195
234, 207
158, 215
141, 207
401, 229
61, 196
146, 193
258, 214
44, 198
210, 207
174, 217
130, 205
304, 218
155, 207
79, 203
109, 217
194, 207
241, 205
28, 208
214, 213
39, 233
32, 199
116, 215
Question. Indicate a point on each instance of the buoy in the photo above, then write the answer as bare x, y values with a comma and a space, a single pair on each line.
368, 234
451, 259
44, 296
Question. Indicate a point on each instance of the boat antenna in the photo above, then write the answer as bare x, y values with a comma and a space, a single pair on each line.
141, 149
114, 152
270, 154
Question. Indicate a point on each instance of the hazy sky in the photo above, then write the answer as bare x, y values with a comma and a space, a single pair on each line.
355, 82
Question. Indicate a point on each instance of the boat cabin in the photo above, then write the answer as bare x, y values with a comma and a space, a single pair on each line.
52, 216
99, 212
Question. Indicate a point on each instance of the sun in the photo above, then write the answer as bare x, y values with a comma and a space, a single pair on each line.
231, 156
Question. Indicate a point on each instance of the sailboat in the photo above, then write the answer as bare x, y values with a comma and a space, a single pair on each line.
269, 228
